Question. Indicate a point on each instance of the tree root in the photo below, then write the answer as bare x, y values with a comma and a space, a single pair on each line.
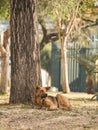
95, 95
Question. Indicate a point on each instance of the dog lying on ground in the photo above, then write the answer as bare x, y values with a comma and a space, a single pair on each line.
42, 99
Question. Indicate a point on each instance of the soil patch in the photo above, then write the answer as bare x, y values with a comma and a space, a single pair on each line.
83, 116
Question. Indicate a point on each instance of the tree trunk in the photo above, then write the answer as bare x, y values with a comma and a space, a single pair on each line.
4, 49
25, 51
90, 84
64, 69
64, 65
4, 74
96, 79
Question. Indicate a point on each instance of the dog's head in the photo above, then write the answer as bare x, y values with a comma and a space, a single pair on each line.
41, 91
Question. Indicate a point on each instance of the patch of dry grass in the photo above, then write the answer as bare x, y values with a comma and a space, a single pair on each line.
83, 116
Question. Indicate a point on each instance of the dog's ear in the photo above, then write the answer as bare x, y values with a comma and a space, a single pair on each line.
37, 87
47, 88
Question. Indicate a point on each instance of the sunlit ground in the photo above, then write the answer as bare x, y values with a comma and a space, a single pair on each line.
83, 116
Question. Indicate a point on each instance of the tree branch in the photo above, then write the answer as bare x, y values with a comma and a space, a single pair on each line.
89, 25
46, 37
52, 37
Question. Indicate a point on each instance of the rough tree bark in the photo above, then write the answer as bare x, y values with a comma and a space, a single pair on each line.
25, 52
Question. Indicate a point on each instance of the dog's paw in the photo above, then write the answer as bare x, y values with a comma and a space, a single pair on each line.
52, 108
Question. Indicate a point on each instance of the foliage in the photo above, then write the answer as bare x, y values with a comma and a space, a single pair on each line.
47, 8
67, 11
64, 7
5, 9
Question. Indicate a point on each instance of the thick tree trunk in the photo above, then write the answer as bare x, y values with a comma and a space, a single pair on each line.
25, 52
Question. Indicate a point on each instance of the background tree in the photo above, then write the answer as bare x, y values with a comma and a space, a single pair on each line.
4, 49
65, 13
25, 52
4, 46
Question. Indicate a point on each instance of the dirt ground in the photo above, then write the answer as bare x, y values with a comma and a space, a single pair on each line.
83, 116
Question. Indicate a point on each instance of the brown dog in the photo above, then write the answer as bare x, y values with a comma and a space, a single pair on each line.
42, 99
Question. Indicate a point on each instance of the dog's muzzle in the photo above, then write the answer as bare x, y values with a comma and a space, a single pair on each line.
44, 95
